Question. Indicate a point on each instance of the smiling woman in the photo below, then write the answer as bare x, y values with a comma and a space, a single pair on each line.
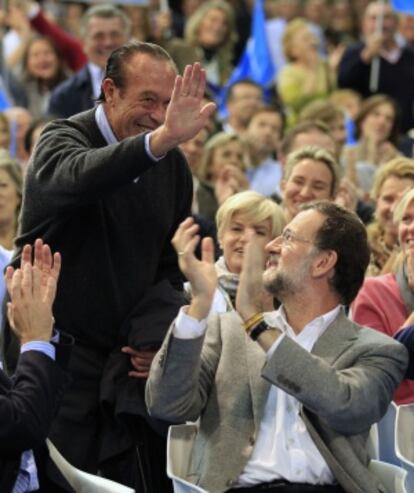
311, 173
209, 37
391, 181
43, 70
11, 181
386, 303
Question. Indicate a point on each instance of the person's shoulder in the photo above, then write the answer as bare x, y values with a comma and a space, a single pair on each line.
77, 80
354, 47
371, 338
385, 281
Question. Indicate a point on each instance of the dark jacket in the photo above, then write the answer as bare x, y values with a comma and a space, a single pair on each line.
28, 403
72, 96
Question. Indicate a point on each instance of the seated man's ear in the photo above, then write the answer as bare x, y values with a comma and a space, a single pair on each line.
324, 263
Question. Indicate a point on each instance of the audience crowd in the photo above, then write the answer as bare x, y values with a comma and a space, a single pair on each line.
95, 139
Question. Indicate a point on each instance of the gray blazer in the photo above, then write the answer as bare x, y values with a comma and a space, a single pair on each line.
345, 385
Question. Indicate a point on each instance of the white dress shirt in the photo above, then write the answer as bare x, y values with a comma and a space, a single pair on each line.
284, 448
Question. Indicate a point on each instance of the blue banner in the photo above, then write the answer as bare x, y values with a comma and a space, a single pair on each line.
403, 6
256, 61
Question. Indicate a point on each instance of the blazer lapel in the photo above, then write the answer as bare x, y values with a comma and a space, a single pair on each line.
336, 339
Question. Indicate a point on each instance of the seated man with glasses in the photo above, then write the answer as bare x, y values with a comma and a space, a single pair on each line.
285, 405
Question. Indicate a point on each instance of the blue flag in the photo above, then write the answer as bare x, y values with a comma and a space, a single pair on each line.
403, 6
256, 62
4, 99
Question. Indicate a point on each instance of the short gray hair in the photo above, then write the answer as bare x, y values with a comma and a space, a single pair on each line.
104, 11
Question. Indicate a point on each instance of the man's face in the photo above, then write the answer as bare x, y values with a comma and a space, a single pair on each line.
244, 101
264, 131
140, 106
389, 24
290, 260
103, 36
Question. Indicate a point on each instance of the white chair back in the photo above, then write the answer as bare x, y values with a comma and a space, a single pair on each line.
404, 441
386, 436
391, 476
373, 442
83, 482
179, 449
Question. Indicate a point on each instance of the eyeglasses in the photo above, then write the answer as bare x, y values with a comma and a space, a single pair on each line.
288, 236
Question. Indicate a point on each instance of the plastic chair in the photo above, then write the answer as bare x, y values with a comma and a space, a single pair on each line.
404, 441
391, 476
81, 481
386, 436
179, 449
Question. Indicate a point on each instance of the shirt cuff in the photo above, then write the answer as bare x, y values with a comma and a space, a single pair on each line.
41, 346
148, 149
275, 345
186, 327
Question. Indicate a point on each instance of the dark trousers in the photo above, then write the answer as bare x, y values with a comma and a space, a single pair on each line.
281, 486
77, 432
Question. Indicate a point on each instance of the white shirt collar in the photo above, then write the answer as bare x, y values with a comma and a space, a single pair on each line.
103, 125
96, 73
310, 333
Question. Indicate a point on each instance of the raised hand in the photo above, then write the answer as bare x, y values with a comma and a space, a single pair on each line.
32, 289
230, 181
48, 265
186, 115
200, 273
250, 297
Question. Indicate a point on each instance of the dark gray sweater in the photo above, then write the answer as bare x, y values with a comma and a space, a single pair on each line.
114, 234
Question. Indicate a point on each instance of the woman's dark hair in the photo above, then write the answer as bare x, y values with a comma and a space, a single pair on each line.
60, 74
369, 105
344, 233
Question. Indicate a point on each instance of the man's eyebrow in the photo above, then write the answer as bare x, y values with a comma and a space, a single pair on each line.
149, 93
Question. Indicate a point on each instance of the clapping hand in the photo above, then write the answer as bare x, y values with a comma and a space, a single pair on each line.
200, 273
32, 290
251, 298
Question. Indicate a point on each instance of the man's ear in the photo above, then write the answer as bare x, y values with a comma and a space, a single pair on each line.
324, 262
282, 186
108, 88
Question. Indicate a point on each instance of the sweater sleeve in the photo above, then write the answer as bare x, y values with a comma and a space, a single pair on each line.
69, 170
352, 71
69, 46
406, 337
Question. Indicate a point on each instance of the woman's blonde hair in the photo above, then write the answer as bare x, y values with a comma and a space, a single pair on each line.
292, 28
254, 207
225, 50
316, 154
13, 168
402, 205
400, 167
218, 140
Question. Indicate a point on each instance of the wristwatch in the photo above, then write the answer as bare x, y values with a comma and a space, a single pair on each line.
259, 329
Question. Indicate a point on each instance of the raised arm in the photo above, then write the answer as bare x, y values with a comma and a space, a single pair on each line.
28, 402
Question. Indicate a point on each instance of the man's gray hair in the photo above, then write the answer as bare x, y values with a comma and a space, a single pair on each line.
104, 11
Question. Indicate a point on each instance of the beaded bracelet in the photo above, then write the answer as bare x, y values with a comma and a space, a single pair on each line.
252, 321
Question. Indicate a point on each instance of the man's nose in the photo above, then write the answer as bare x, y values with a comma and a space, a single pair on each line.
274, 245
